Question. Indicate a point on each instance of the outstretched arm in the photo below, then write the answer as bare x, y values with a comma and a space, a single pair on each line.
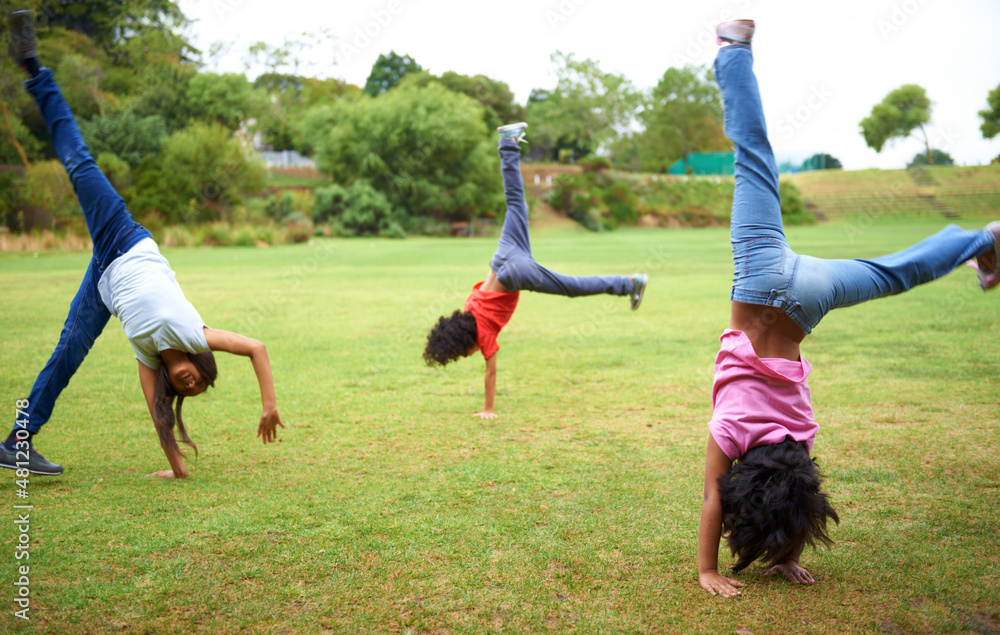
491, 388
710, 529
147, 378
238, 344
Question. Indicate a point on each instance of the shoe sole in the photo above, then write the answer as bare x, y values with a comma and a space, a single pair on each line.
30, 470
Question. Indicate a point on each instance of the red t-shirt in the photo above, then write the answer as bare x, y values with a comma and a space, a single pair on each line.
492, 310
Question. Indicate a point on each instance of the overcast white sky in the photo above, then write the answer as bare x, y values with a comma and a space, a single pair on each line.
821, 65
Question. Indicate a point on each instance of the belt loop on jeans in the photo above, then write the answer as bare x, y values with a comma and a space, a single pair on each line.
772, 296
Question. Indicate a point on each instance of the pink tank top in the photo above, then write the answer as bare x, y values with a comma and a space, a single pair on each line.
758, 401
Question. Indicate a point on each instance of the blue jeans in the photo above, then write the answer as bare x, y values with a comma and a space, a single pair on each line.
516, 269
766, 270
111, 229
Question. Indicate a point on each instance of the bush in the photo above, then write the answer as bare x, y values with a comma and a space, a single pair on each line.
328, 202
793, 207
594, 163
367, 212
201, 171
425, 149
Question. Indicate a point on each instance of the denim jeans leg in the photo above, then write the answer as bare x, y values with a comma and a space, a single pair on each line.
87, 317
534, 277
823, 285
110, 225
756, 205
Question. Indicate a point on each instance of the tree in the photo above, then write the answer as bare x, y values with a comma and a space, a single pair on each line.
426, 149
938, 157
903, 111
495, 96
291, 98
112, 24
227, 99
684, 115
821, 161
199, 173
131, 138
991, 114
587, 109
387, 71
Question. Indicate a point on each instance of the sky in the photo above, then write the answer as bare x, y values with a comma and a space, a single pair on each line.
821, 66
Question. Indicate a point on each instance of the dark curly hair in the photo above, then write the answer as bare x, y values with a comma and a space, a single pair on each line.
772, 505
451, 338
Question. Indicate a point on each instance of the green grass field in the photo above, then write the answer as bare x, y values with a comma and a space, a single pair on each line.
388, 508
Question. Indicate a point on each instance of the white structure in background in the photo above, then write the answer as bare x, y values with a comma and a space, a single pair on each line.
285, 159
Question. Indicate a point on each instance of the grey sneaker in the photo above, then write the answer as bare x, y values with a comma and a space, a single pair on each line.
639, 281
36, 463
513, 131
740, 31
21, 33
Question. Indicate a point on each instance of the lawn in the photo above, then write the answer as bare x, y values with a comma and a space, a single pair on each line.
388, 508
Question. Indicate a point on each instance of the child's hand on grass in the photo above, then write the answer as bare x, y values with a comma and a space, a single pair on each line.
267, 431
164, 474
486, 414
718, 584
791, 570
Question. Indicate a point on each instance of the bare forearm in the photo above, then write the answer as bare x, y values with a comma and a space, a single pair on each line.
262, 368
490, 390
709, 535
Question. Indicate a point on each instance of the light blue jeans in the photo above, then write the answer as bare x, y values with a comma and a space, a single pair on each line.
112, 230
513, 263
766, 270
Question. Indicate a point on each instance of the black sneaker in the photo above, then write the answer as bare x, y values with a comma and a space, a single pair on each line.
36, 463
21, 31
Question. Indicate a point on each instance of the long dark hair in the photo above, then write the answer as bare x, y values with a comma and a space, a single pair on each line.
772, 504
165, 413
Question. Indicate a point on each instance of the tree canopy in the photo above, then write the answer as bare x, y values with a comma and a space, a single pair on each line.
991, 114
683, 115
387, 72
903, 111
588, 107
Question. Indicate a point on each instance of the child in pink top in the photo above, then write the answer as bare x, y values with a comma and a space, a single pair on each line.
512, 268
762, 490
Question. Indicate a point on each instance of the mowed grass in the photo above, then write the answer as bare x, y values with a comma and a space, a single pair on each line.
387, 507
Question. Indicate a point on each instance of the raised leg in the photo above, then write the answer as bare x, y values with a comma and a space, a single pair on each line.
110, 225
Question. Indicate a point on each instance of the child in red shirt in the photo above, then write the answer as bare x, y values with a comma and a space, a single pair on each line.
492, 302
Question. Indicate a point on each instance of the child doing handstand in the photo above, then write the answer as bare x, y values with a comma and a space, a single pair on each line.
762, 490
492, 302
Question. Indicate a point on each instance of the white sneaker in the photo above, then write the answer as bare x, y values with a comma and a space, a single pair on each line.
513, 131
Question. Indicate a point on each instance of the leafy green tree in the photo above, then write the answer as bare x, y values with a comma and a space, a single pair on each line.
683, 115
227, 99
113, 24
165, 95
426, 149
991, 114
495, 96
587, 109
290, 98
129, 137
200, 172
938, 157
822, 161
387, 71
903, 111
